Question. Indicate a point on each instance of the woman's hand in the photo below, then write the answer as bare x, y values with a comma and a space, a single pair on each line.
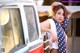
56, 3
50, 12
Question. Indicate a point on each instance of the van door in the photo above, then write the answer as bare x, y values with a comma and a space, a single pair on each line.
35, 44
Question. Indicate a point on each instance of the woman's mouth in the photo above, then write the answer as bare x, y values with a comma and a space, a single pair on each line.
60, 19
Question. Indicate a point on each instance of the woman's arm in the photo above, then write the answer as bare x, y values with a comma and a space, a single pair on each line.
69, 12
45, 27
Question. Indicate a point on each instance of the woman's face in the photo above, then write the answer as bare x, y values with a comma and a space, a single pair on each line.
59, 16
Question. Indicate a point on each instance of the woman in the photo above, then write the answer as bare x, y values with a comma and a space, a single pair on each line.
56, 27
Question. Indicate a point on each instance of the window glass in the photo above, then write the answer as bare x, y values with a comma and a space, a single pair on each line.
12, 33
32, 23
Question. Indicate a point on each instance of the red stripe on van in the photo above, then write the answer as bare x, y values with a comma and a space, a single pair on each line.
38, 50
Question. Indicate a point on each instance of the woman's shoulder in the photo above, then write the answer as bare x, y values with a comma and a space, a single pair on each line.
45, 23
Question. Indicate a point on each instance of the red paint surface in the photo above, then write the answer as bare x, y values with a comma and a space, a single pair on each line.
38, 50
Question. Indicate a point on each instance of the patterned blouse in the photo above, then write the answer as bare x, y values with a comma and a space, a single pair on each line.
65, 24
60, 35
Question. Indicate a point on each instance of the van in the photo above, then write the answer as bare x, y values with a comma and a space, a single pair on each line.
19, 28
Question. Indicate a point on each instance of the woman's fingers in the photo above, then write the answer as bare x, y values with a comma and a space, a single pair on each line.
56, 3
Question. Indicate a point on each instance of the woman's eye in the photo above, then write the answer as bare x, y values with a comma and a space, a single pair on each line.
59, 13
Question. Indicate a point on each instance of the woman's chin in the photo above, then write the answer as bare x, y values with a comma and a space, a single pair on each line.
60, 21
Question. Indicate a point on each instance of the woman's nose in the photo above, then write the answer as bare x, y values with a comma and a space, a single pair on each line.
61, 16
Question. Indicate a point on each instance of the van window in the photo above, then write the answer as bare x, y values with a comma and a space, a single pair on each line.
32, 23
12, 32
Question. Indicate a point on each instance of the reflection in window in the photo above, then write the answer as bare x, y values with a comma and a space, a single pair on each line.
11, 29
32, 25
